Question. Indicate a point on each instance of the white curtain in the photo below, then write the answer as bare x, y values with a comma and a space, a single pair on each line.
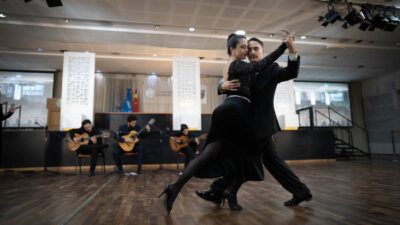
154, 92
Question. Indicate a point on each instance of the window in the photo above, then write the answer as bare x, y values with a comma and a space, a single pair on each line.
322, 96
29, 90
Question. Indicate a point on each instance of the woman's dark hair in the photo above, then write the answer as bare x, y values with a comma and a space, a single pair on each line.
131, 118
256, 40
233, 40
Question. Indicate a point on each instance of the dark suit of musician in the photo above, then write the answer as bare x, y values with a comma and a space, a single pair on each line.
189, 151
95, 145
138, 148
265, 125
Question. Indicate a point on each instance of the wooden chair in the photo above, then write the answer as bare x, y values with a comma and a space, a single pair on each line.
129, 155
81, 156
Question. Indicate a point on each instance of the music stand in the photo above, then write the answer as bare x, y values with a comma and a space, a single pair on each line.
46, 146
161, 153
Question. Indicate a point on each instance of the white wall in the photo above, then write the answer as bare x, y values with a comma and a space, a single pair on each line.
382, 111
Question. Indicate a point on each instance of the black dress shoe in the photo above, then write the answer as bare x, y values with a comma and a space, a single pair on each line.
297, 200
210, 196
171, 192
232, 201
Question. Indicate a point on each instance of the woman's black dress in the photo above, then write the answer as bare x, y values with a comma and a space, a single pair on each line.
240, 155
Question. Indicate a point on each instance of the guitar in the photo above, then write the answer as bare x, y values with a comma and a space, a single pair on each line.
132, 138
84, 140
177, 143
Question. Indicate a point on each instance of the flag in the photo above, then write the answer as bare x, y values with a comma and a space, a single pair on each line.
136, 101
127, 105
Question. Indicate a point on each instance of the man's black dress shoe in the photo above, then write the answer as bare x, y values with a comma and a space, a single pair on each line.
297, 200
210, 196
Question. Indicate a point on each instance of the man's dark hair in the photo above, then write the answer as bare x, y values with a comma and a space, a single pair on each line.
86, 122
131, 118
184, 126
233, 40
256, 40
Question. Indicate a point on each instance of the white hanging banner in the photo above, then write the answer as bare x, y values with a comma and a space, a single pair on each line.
77, 96
284, 104
186, 87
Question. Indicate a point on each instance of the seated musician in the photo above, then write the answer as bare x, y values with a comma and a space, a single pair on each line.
191, 149
95, 145
125, 129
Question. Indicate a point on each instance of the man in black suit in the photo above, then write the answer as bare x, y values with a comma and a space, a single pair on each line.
265, 124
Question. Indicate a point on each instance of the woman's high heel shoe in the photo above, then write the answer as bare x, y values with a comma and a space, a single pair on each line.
171, 192
232, 201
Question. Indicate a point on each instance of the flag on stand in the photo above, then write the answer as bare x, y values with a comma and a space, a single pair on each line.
136, 101
127, 105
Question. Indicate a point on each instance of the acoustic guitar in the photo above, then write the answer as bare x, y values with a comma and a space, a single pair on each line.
84, 140
131, 138
177, 143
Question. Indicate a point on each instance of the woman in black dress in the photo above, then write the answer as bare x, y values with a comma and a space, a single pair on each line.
229, 141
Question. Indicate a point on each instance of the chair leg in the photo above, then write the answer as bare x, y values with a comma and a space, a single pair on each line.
76, 167
177, 163
104, 164
80, 165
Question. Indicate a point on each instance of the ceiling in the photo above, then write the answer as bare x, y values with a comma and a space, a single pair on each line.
125, 39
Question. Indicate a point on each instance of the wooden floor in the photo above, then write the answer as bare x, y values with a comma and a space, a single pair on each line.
351, 192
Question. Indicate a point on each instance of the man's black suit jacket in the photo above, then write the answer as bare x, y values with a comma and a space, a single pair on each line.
262, 113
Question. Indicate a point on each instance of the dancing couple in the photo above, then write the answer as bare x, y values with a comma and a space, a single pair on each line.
240, 137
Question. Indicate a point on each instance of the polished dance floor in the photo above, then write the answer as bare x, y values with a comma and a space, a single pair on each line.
348, 192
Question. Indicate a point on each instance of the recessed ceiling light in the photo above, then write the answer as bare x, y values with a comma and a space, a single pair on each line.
2, 15
66, 20
192, 29
157, 26
271, 35
240, 32
40, 49
155, 55
303, 37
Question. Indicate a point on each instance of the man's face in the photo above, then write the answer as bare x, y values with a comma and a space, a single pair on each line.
132, 123
88, 127
255, 51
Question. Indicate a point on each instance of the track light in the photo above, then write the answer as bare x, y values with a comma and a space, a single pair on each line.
352, 19
54, 3
392, 24
369, 16
331, 17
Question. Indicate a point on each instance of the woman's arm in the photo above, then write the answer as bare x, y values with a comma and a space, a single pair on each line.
241, 68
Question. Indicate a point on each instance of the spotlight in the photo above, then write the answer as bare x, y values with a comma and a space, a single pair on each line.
330, 17
366, 12
352, 19
240, 32
392, 24
54, 3
379, 21
364, 25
